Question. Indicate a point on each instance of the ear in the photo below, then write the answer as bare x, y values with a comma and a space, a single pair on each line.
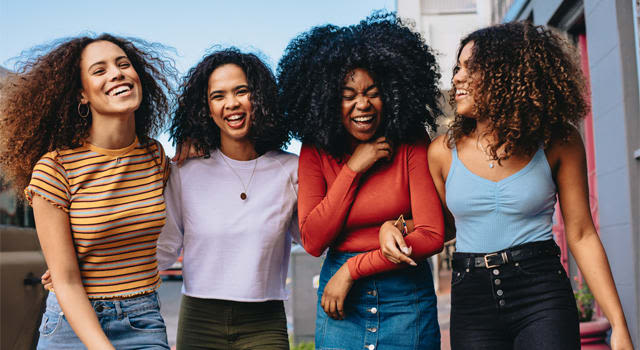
83, 98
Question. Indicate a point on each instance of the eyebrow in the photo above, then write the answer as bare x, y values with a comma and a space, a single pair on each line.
222, 91
104, 62
370, 87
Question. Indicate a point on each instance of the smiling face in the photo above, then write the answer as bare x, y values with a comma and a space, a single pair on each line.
110, 84
361, 105
462, 82
230, 102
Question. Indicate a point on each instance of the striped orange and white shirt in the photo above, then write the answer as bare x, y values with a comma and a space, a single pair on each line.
116, 209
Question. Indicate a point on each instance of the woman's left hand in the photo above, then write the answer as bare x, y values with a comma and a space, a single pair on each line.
335, 292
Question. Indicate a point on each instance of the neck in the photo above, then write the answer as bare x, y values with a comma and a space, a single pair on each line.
353, 143
482, 126
238, 150
112, 132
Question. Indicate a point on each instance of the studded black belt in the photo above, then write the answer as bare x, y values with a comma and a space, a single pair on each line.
514, 254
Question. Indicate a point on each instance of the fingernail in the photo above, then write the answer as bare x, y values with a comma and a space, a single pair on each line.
405, 250
413, 263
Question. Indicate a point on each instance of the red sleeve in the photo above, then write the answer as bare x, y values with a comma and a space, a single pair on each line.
322, 211
428, 236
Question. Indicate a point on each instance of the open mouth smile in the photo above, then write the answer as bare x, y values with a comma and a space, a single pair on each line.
120, 90
235, 121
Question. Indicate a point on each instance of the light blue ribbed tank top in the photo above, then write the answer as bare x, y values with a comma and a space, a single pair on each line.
492, 216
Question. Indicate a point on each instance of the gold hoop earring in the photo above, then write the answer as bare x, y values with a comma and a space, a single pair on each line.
83, 115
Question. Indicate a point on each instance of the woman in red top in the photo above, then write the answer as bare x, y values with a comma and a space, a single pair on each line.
359, 98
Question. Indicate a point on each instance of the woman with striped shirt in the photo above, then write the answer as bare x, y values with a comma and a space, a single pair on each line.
78, 120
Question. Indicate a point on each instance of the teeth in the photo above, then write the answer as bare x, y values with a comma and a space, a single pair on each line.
363, 119
235, 117
461, 92
119, 90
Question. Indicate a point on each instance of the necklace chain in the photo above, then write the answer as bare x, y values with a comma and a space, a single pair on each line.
484, 150
244, 194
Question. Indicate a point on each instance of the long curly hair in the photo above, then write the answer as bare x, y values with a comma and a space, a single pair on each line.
192, 119
39, 103
312, 71
527, 81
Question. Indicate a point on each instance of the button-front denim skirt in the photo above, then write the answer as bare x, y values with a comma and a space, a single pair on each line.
388, 311
131, 323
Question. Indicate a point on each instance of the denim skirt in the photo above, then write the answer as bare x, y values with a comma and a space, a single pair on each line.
392, 310
132, 323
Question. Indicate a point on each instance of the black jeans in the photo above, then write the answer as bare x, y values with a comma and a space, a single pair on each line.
523, 305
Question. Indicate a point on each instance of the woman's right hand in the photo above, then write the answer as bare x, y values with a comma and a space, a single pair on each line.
46, 281
393, 245
368, 153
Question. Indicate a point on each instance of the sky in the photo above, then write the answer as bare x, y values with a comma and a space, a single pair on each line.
190, 27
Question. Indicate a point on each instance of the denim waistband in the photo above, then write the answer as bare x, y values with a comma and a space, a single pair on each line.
114, 307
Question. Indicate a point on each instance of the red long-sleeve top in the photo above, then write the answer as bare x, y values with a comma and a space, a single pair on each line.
344, 209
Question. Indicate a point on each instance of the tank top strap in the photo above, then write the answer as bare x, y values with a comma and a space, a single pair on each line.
453, 166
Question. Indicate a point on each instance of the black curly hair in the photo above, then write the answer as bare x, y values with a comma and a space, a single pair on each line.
312, 71
192, 119
39, 104
528, 84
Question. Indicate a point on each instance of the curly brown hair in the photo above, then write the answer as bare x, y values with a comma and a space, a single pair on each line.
39, 103
527, 81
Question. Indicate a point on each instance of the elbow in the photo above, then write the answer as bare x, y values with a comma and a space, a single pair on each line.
313, 250
310, 246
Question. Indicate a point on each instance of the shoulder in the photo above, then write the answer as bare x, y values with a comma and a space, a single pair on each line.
283, 157
287, 161
153, 145
310, 153
50, 162
64, 156
562, 150
439, 151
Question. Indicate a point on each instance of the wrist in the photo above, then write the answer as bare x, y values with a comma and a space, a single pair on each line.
618, 323
353, 167
346, 273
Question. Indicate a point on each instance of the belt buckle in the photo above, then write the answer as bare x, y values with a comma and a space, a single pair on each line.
486, 259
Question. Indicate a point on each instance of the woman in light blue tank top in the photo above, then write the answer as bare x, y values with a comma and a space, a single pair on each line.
513, 147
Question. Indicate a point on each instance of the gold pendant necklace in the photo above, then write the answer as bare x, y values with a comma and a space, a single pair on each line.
244, 194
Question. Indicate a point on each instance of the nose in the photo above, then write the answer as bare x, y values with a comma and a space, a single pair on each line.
116, 73
362, 102
459, 76
232, 102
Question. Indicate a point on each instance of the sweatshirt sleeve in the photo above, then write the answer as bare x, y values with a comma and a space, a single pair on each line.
428, 236
171, 237
322, 210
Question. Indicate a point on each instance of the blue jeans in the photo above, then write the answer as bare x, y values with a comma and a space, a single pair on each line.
392, 310
132, 323
523, 305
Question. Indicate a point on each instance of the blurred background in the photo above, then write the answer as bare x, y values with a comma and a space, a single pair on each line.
606, 32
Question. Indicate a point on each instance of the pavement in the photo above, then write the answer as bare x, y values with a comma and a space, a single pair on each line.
170, 296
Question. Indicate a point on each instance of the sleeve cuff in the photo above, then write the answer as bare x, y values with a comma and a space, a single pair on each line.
351, 264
